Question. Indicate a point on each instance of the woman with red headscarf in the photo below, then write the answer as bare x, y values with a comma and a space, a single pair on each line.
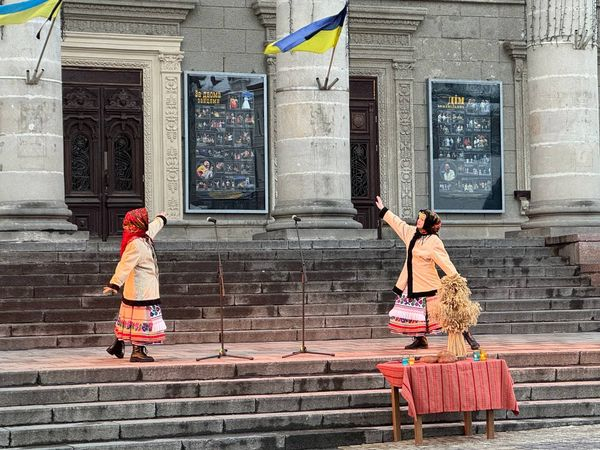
140, 318
417, 285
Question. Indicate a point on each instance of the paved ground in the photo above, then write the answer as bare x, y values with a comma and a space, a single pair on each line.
561, 438
393, 348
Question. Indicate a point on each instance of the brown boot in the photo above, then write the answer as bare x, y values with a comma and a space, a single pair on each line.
471, 340
117, 349
418, 342
139, 354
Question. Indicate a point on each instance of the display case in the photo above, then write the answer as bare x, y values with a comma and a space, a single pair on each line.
465, 145
226, 143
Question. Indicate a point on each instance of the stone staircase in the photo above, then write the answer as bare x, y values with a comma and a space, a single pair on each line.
256, 405
50, 296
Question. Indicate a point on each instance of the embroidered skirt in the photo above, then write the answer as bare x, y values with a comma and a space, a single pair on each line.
140, 325
408, 316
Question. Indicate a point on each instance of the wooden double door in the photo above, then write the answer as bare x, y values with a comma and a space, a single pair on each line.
364, 149
103, 146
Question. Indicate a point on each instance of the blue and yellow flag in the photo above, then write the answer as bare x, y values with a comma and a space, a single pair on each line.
315, 37
22, 12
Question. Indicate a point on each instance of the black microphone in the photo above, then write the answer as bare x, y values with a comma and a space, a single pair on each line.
296, 218
210, 219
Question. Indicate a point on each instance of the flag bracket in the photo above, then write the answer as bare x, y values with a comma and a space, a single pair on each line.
37, 72
326, 86
35, 78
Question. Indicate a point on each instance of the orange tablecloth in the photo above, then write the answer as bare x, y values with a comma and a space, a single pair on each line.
460, 386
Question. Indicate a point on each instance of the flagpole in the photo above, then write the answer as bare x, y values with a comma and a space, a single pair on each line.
35, 78
327, 86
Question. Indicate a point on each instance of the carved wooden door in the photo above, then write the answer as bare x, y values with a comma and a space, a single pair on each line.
364, 149
103, 146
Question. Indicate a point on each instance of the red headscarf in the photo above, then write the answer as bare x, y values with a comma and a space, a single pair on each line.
135, 225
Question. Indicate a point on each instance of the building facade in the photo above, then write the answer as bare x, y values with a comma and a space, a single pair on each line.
124, 66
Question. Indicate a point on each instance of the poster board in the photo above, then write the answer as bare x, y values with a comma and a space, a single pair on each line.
225, 143
465, 146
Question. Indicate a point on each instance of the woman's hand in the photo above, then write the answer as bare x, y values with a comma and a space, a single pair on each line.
109, 291
379, 202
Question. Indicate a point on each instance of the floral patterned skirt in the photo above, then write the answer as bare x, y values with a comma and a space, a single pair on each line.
408, 316
140, 325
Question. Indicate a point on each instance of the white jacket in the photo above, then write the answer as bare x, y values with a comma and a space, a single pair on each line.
138, 268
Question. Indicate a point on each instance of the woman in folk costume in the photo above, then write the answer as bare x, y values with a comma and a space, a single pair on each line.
140, 318
418, 283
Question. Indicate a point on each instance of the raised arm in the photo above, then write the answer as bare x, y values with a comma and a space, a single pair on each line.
157, 224
402, 229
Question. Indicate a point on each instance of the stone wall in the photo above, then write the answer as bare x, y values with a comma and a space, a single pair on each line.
459, 39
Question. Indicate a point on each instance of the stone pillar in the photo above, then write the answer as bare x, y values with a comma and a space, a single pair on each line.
563, 115
32, 197
313, 136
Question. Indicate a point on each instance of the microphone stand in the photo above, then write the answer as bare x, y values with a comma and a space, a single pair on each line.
303, 281
222, 351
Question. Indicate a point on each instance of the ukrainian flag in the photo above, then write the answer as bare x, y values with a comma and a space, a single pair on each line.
315, 37
22, 12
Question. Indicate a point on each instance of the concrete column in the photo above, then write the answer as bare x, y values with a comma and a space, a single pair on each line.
312, 137
563, 115
31, 140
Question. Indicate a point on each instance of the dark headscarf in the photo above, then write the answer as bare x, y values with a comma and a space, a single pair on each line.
431, 219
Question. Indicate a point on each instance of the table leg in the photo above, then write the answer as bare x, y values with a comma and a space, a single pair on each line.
468, 423
418, 430
396, 420
489, 426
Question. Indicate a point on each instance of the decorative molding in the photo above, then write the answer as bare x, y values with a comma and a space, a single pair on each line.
266, 12
146, 67
274, 168
380, 40
559, 22
170, 68
405, 133
159, 58
127, 16
517, 50
121, 27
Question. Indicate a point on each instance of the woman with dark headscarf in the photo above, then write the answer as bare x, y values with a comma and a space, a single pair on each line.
417, 285
140, 318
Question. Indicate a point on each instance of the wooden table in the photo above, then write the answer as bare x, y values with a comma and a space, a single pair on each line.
464, 386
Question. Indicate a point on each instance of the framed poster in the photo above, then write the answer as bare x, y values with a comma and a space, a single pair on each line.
226, 143
465, 145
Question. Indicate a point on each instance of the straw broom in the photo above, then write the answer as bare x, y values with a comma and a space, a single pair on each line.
455, 312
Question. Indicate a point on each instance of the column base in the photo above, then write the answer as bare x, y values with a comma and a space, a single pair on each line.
312, 234
58, 237
551, 231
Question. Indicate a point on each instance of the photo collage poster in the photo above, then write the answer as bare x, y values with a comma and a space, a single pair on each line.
465, 127
226, 143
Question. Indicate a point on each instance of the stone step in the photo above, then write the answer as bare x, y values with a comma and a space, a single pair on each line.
480, 275
534, 293
314, 439
128, 429
103, 335
477, 277
534, 327
244, 403
315, 318
198, 263
555, 315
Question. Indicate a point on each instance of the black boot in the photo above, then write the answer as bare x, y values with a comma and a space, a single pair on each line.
117, 348
418, 342
139, 354
471, 340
